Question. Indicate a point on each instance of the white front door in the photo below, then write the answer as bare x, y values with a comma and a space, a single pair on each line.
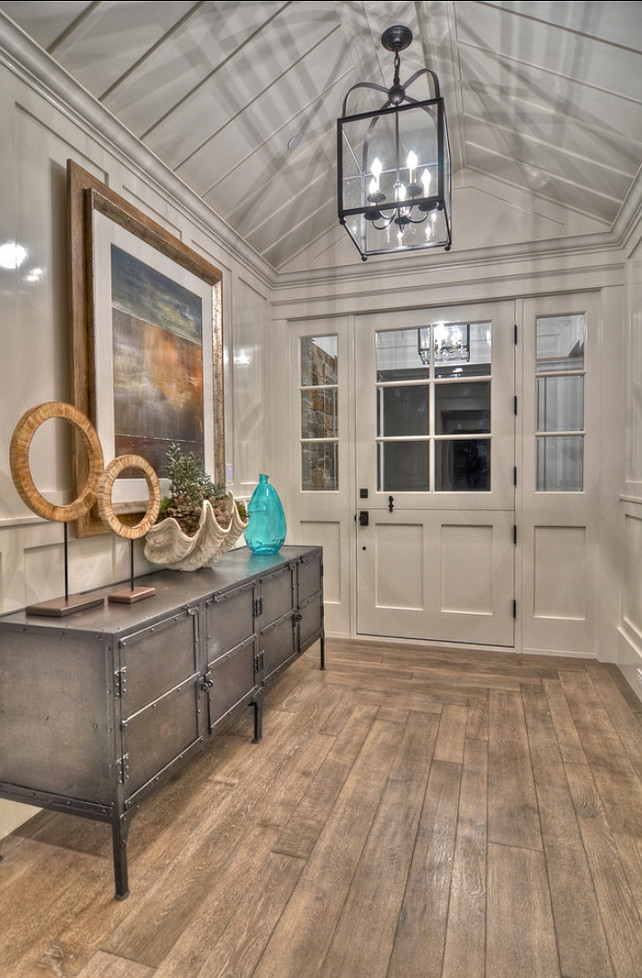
435, 436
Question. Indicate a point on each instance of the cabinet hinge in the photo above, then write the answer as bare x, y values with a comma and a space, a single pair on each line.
122, 768
515, 534
258, 607
514, 475
120, 682
515, 405
259, 662
515, 334
514, 609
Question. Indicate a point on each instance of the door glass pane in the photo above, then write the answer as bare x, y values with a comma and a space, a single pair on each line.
560, 403
398, 355
462, 408
402, 411
560, 464
462, 349
320, 466
318, 360
319, 413
462, 465
560, 343
403, 466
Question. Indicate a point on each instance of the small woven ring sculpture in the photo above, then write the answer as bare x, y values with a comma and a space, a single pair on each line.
107, 479
21, 472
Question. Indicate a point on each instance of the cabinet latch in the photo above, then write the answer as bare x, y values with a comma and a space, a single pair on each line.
120, 681
207, 682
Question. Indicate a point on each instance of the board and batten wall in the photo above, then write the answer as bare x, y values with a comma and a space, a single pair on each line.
39, 131
629, 653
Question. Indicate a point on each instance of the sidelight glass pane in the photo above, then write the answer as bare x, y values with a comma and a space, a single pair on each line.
403, 466
560, 403
319, 413
560, 464
560, 343
402, 411
318, 360
320, 466
462, 408
462, 465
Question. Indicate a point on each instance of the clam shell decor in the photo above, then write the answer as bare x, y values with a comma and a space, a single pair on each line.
166, 543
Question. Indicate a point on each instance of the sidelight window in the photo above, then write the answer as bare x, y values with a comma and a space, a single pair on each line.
433, 389
319, 416
560, 403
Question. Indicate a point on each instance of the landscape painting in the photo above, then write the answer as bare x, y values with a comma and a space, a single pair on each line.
157, 338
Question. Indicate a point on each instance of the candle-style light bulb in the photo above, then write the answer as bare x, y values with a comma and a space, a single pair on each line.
411, 163
376, 169
425, 179
372, 187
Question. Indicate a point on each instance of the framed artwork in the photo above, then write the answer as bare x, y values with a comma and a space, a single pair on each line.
147, 349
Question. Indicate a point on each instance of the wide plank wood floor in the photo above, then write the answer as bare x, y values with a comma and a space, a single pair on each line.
409, 813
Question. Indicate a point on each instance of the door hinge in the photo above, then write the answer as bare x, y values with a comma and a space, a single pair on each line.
258, 607
514, 610
120, 681
122, 768
259, 662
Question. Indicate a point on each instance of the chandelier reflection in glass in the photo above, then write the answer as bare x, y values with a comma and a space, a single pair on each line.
394, 167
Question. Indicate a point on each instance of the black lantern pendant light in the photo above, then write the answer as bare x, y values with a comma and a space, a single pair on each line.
394, 166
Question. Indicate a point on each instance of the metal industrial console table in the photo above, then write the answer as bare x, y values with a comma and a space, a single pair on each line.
98, 708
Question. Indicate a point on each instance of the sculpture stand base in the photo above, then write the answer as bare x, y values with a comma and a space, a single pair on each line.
61, 607
131, 595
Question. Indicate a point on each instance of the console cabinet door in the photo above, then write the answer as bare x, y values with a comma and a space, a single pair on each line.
229, 620
160, 698
230, 680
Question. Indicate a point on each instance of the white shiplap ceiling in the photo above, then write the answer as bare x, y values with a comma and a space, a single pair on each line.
541, 97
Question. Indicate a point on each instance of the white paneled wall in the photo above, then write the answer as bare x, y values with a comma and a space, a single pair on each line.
39, 134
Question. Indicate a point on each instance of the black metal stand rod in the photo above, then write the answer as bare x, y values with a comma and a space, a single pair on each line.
66, 563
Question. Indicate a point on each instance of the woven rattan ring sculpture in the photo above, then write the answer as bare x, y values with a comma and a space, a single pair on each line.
107, 479
21, 472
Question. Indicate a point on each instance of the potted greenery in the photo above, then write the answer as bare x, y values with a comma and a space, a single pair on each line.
198, 520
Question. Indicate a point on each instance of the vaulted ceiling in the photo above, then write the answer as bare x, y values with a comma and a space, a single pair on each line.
240, 100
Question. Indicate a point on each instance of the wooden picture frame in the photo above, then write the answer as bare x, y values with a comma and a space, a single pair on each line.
87, 198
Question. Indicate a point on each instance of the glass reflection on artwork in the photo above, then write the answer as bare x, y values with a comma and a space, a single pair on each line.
157, 331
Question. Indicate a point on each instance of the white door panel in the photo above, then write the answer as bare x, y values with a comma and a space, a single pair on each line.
442, 576
435, 473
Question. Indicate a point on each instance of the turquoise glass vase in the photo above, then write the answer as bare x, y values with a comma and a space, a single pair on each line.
266, 526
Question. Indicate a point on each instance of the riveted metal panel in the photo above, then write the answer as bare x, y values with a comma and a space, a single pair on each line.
310, 576
233, 681
277, 592
229, 620
160, 734
56, 717
277, 644
310, 621
157, 658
